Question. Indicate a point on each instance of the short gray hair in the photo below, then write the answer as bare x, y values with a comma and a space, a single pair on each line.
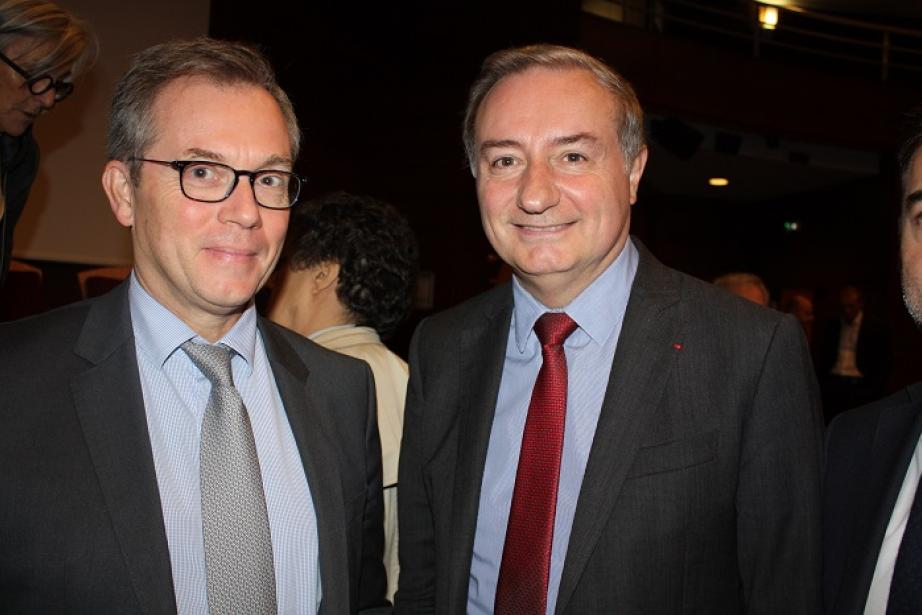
502, 64
131, 122
73, 47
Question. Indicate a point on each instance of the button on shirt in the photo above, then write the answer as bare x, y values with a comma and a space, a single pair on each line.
175, 396
599, 313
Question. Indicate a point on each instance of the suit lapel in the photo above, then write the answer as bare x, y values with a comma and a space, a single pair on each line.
638, 376
309, 424
482, 351
898, 431
110, 407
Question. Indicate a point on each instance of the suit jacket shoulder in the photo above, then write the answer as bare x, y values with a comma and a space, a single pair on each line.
47, 349
654, 284
736, 333
455, 320
80, 519
868, 450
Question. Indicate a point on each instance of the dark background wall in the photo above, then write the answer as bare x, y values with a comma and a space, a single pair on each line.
380, 91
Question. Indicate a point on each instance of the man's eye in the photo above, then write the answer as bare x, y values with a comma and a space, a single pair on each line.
504, 161
574, 157
201, 172
272, 180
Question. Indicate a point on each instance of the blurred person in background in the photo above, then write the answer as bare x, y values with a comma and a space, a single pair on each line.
746, 285
43, 49
854, 356
799, 303
346, 281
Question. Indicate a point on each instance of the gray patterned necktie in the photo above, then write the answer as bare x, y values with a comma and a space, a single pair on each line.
238, 546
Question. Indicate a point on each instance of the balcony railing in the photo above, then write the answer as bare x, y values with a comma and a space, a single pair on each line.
841, 44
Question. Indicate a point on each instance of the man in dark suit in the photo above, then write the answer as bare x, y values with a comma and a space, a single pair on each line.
676, 466
872, 522
163, 448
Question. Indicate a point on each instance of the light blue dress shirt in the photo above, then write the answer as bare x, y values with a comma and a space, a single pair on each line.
599, 312
175, 396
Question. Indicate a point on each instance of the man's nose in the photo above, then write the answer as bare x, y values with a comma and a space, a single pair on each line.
538, 189
47, 99
240, 207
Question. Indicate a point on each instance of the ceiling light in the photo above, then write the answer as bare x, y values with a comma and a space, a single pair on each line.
768, 16
719, 181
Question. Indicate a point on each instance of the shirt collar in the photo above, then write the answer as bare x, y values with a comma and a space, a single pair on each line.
598, 309
159, 332
322, 332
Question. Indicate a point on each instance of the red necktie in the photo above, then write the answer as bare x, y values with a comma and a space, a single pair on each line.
525, 569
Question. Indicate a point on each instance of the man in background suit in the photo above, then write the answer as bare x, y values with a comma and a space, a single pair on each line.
688, 477
163, 448
854, 356
874, 460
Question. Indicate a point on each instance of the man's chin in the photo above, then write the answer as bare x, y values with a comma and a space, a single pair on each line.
15, 131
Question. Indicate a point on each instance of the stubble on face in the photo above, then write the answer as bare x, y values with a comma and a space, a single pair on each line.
912, 296
911, 240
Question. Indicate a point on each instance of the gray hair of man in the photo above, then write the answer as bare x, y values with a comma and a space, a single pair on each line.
131, 121
72, 47
501, 64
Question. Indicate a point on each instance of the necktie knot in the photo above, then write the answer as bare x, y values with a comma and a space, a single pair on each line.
214, 361
553, 328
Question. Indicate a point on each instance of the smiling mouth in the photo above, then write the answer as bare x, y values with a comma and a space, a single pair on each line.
231, 253
543, 229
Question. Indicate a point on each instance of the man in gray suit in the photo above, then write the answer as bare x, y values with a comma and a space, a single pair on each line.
163, 448
682, 474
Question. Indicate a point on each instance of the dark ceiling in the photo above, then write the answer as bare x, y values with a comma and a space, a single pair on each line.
889, 10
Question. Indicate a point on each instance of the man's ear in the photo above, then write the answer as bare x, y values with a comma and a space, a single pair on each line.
116, 182
637, 167
324, 275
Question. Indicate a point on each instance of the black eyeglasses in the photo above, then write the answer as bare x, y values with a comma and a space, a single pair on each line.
41, 84
212, 182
